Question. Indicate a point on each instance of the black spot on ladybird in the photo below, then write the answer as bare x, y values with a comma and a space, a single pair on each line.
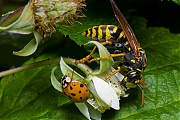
71, 87
80, 98
81, 85
79, 91
73, 94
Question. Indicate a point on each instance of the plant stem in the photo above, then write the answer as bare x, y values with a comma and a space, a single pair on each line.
30, 66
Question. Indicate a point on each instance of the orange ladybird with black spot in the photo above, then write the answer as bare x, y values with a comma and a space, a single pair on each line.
75, 90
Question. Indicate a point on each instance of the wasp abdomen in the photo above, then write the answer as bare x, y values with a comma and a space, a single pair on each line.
104, 33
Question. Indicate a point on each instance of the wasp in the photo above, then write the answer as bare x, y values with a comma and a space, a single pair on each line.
134, 66
127, 46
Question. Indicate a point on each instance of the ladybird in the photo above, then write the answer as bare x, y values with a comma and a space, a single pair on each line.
75, 90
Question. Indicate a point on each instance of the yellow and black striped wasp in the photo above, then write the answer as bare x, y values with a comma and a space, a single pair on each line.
127, 46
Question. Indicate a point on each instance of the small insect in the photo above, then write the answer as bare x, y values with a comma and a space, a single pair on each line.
126, 46
134, 66
75, 90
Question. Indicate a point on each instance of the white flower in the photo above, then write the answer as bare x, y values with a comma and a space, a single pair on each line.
85, 108
103, 94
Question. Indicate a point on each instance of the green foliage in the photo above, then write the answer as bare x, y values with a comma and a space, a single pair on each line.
176, 1
30, 95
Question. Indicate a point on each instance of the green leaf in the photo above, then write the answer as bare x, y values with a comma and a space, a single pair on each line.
162, 93
30, 95
176, 1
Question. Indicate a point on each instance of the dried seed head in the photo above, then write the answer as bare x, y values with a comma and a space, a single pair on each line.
50, 13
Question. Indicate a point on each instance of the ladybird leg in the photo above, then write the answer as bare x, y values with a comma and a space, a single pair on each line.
104, 57
85, 59
142, 94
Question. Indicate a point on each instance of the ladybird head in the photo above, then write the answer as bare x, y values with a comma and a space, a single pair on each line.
65, 81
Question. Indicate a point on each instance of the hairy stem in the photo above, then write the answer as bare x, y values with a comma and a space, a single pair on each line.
30, 66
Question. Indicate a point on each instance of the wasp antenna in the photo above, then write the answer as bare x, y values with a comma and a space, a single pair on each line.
142, 98
143, 83
142, 94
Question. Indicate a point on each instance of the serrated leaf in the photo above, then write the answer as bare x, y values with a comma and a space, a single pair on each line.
162, 93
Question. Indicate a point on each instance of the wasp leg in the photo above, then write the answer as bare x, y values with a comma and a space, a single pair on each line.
113, 73
141, 82
142, 93
104, 57
85, 59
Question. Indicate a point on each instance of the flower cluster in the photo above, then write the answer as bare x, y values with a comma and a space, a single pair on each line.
49, 13
103, 94
41, 17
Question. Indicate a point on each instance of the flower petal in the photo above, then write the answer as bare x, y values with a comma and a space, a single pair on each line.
56, 84
106, 92
114, 81
105, 64
84, 109
94, 113
83, 67
31, 47
66, 70
23, 25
